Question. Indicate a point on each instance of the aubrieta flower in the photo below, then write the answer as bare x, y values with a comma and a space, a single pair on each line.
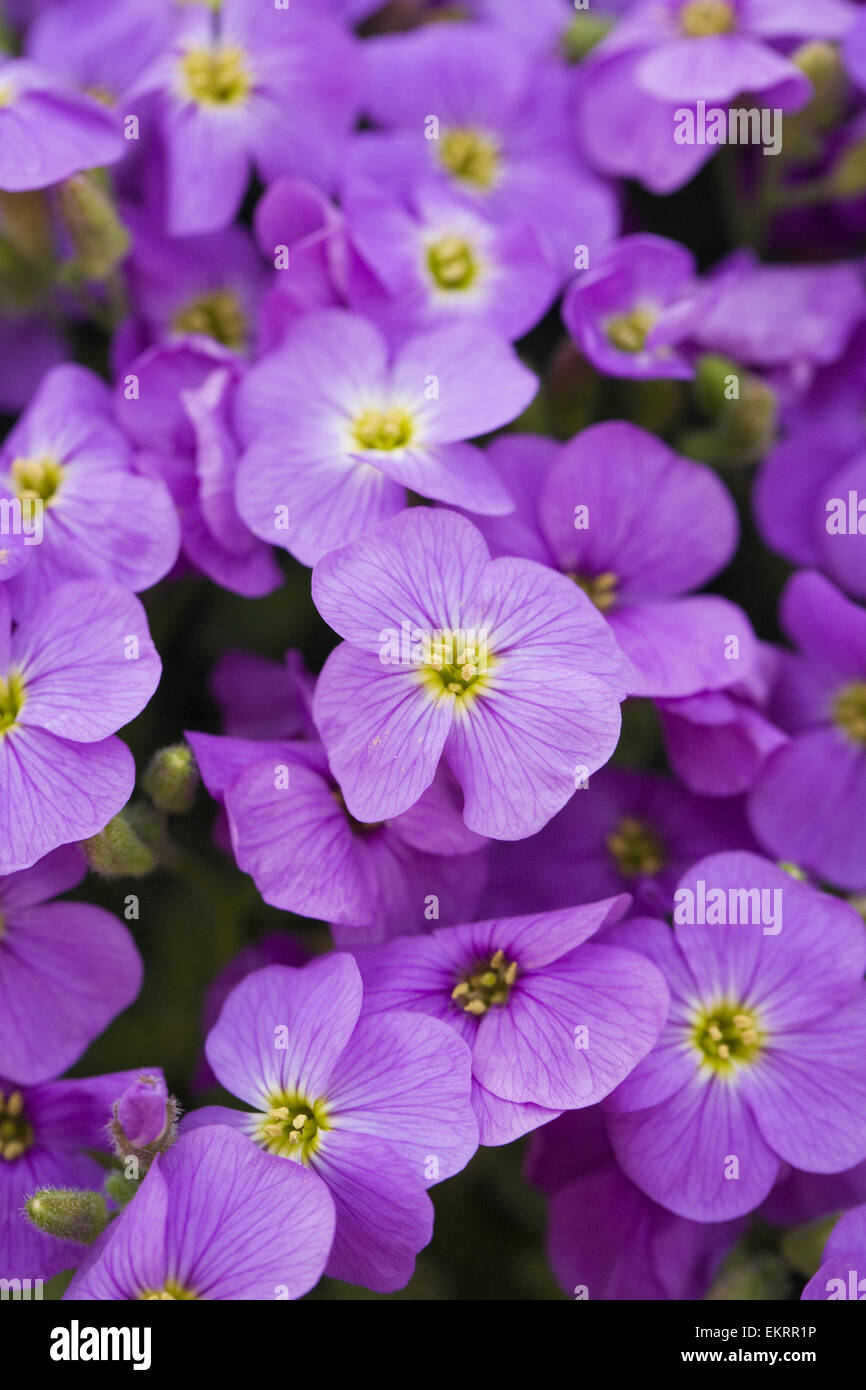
66, 969
67, 461
605, 1238
213, 1220
290, 829
820, 699
666, 55
47, 130
338, 428
463, 106
378, 1107
47, 1133
259, 698
612, 309
501, 667
624, 832
71, 675
636, 527
99, 51
554, 1020
302, 233
761, 1060
438, 259
177, 416
718, 740
247, 84
843, 1269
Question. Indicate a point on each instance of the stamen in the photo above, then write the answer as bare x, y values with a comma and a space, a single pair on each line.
488, 984
701, 19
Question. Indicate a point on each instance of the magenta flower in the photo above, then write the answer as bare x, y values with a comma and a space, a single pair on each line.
70, 676
820, 699
247, 85
213, 1220
377, 1107
613, 310
500, 667
502, 140
605, 1238
47, 130
762, 1058
554, 1020
47, 1133
66, 969
67, 459
338, 428
636, 527
437, 260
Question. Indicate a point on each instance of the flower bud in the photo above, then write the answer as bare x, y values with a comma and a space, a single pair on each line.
145, 1118
69, 1213
119, 851
171, 779
99, 238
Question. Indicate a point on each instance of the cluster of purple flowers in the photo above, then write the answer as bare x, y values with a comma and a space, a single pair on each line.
360, 293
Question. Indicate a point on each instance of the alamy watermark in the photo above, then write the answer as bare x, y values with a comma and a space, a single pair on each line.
737, 125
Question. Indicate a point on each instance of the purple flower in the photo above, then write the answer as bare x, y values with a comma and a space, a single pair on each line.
465, 108
98, 50
263, 699
69, 463
291, 831
605, 1238
625, 832
667, 55
302, 233
337, 428
47, 130
503, 668
810, 796
843, 1268
717, 741
613, 309
208, 285
554, 1023
46, 1133
70, 676
762, 1059
175, 406
439, 259
378, 1107
66, 969
636, 527
143, 1112
213, 1220
249, 85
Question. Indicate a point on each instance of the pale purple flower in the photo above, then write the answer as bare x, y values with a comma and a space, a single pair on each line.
47, 130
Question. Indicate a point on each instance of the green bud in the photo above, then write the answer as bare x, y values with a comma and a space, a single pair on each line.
794, 870
744, 1278
119, 851
99, 237
69, 1213
821, 63
121, 1189
171, 779
713, 383
748, 426
803, 1246
583, 33
847, 178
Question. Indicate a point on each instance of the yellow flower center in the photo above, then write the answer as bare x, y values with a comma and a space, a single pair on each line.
218, 315
636, 849
629, 332
37, 479
601, 588
470, 156
452, 264
215, 76
456, 664
11, 701
7, 95
292, 1125
488, 984
726, 1034
383, 429
849, 711
700, 19
171, 1292
16, 1134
